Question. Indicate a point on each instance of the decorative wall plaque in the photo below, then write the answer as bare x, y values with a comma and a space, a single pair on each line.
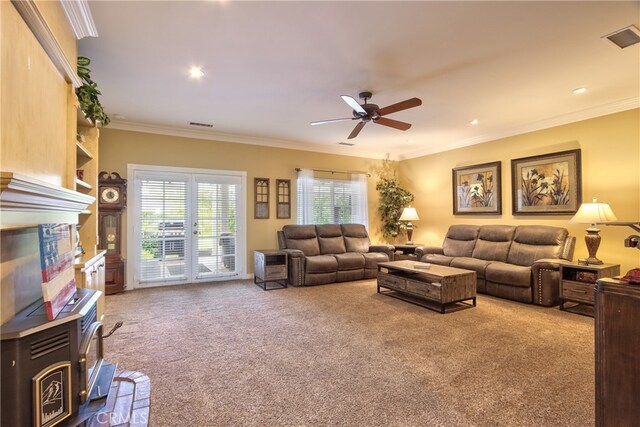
283, 206
261, 198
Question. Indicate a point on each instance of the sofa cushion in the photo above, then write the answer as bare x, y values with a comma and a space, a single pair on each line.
534, 242
460, 240
437, 259
477, 265
356, 238
508, 274
350, 261
321, 264
372, 259
302, 237
330, 239
494, 242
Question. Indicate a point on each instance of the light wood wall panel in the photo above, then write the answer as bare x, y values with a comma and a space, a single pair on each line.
33, 123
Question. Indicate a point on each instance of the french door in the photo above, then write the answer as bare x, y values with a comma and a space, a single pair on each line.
188, 225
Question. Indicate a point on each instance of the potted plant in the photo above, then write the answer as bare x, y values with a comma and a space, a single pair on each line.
88, 94
393, 199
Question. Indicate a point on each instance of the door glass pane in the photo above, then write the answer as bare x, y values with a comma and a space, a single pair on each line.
163, 216
216, 226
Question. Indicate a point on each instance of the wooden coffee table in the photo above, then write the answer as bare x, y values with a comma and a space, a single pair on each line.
437, 285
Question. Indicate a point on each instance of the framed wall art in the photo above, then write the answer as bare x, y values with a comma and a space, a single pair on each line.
547, 184
477, 189
261, 189
283, 193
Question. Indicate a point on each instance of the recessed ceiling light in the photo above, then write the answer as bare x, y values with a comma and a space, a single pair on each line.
473, 122
118, 116
196, 72
410, 141
579, 90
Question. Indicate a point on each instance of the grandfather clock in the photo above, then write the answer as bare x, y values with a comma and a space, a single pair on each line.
112, 199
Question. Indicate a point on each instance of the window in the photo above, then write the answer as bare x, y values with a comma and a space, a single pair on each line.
331, 201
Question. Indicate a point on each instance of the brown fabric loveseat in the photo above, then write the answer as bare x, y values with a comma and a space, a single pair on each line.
520, 263
327, 253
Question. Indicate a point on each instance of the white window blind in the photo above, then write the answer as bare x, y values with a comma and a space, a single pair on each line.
162, 206
331, 201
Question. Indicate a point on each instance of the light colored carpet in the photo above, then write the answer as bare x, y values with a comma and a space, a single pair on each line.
231, 354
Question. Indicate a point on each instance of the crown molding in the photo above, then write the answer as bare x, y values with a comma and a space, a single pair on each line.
80, 18
29, 11
240, 139
589, 113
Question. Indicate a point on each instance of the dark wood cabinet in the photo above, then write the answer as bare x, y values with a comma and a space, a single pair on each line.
617, 340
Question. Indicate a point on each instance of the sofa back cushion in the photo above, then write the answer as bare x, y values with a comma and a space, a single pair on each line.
494, 242
356, 238
302, 237
460, 240
330, 239
534, 242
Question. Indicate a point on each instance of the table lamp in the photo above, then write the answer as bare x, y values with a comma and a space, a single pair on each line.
593, 213
409, 214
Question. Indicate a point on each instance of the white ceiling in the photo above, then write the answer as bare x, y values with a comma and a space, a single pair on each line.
273, 67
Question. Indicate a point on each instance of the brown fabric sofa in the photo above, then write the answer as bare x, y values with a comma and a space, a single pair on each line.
520, 263
327, 253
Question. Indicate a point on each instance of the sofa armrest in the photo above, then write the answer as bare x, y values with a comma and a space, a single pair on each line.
387, 249
546, 281
296, 261
426, 250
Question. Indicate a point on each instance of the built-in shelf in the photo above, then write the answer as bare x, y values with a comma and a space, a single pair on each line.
83, 120
82, 151
83, 184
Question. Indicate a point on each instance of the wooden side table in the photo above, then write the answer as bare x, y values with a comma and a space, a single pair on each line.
405, 252
270, 266
577, 285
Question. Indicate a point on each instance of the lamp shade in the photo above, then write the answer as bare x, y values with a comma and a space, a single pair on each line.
593, 213
409, 214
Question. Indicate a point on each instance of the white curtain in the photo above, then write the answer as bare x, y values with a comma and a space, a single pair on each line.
305, 196
359, 205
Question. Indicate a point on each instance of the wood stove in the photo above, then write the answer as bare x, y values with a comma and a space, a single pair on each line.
53, 372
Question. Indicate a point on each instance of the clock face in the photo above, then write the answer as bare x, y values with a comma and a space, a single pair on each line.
110, 195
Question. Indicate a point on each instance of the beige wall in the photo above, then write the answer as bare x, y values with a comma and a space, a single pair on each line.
610, 171
119, 148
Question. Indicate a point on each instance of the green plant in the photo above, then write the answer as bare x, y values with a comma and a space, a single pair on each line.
393, 199
88, 94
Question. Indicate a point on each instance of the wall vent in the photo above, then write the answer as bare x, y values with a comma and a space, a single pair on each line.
625, 37
204, 125
348, 144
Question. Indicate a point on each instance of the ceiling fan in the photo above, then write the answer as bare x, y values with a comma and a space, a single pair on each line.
371, 112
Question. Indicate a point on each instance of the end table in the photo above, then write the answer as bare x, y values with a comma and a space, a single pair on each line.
270, 266
577, 284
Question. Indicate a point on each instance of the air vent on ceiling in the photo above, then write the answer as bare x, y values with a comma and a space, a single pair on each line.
348, 144
48, 344
625, 37
204, 125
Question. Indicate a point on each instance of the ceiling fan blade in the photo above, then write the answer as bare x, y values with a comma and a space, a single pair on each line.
353, 104
392, 123
321, 122
404, 105
356, 130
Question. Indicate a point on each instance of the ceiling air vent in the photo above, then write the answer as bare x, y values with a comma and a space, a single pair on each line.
348, 144
625, 37
204, 125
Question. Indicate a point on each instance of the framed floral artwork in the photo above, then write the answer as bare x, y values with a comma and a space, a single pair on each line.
477, 189
547, 184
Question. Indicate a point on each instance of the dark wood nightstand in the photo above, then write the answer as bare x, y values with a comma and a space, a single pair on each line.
577, 285
406, 252
270, 266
